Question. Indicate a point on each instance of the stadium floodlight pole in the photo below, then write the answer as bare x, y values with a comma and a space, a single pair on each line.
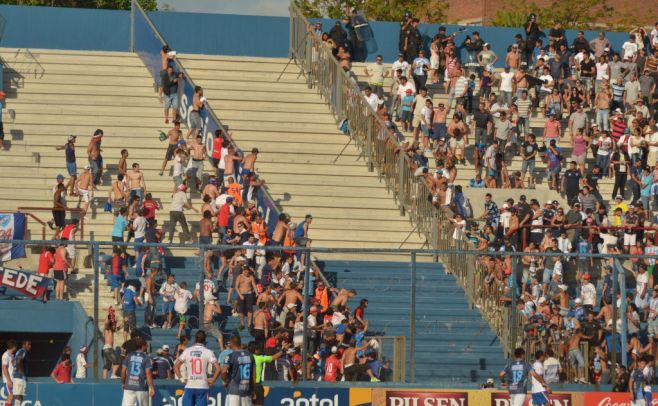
95, 249
305, 308
412, 321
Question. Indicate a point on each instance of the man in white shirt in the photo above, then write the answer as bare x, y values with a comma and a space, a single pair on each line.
552, 368
8, 370
588, 293
540, 389
629, 49
641, 289
178, 203
376, 73
547, 83
506, 85
197, 359
400, 65
371, 98
81, 363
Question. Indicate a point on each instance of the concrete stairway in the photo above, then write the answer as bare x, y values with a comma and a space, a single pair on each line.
454, 345
309, 166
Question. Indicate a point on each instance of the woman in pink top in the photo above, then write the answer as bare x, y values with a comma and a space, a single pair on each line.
552, 130
579, 145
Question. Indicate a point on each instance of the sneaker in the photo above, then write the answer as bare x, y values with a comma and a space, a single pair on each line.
373, 379
160, 173
51, 224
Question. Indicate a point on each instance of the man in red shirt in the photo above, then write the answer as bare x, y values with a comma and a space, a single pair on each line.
617, 125
62, 372
223, 218
46, 261
359, 312
149, 207
332, 366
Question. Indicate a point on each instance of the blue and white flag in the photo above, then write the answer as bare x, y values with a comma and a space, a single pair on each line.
12, 227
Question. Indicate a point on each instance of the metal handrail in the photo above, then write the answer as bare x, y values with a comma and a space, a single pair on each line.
27, 211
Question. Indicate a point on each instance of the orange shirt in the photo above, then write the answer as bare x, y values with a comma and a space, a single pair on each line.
233, 190
259, 230
45, 262
322, 296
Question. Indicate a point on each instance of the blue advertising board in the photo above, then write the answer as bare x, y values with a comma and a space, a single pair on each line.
170, 393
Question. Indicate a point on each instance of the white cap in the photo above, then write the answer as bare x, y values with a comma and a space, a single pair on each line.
505, 206
542, 300
578, 301
563, 287
334, 349
165, 347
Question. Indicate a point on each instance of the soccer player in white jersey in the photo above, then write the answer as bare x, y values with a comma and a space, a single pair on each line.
197, 359
8, 370
540, 390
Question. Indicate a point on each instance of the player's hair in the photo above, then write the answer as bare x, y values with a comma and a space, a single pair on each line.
519, 352
236, 341
200, 337
11, 344
539, 354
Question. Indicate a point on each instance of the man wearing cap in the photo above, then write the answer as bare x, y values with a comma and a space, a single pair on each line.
179, 202
81, 363
588, 293
162, 366
71, 167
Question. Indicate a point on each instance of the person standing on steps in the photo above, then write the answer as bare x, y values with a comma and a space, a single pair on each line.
196, 124
176, 215
173, 136
71, 166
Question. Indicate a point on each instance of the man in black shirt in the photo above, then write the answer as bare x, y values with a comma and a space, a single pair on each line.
571, 182
592, 180
338, 34
413, 42
529, 150
483, 124
587, 72
620, 164
580, 43
556, 35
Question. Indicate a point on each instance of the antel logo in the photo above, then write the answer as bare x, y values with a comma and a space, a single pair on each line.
410, 398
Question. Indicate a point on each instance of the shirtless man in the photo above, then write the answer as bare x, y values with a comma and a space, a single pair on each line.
84, 192
576, 356
261, 331
110, 359
288, 300
280, 230
342, 297
211, 188
210, 309
458, 138
248, 164
173, 136
94, 154
205, 228
136, 183
606, 314
195, 118
149, 297
520, 82
198, 154
349, 366
563, 299
513, 58
117, 195
439, 119
238, 219
122, 167
245, 285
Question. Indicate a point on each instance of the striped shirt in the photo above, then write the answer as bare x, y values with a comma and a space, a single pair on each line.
617, 92
651, 64
523, 107
460, 86
618, 127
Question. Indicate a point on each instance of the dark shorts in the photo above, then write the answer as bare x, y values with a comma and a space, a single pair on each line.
259, 394
169, 155
60, 218
195, 120
302, 241
440, 130
130, 321
115, 281
205, 239
406, 116
59, 275
109, 358
246, 305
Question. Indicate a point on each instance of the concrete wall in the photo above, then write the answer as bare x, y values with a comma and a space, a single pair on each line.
199, 33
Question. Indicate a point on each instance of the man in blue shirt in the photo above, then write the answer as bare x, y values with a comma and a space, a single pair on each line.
137, 376
637, 382
130, 302
20, 372
515, 377
239, 374
120, 224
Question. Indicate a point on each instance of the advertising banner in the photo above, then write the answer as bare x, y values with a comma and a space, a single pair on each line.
27, 283
611, 399
557, 399
12, 227
428, 397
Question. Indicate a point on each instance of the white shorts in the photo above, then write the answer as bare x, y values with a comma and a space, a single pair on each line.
84, 195
629, 239
235, 400
20, 387
135, 398
517, 399
70, 249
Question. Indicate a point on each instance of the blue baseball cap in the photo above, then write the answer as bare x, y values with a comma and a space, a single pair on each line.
60, 177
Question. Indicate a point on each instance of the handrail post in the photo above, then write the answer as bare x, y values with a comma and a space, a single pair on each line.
96, 263
305, 309
370, 138
132, 26
412, 321
202, 262
401, 192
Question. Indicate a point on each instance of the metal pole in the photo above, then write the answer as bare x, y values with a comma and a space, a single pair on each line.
307, 288
613, 369
291, 44
412, 324
132, 26
513, 286
96, 264
202, 277
622, 312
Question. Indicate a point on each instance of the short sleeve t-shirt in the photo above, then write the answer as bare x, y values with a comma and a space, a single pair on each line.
119, 225
197, 359
506, 81
502, 129
528, 149
537, 387
377, 73
80, 366
516, 375
136, 364
7, 363
182, 300
240, 367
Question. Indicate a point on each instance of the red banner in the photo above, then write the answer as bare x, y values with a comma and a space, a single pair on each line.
557, 399
410, 398
612, 399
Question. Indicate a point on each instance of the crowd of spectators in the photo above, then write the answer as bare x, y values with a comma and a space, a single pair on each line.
594, 109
